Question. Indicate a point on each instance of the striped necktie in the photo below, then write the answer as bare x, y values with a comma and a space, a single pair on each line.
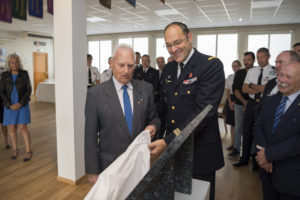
127, 109
279, 112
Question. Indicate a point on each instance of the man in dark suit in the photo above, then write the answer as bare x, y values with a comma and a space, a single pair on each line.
147, 73
277, 136
119, 109
187, 87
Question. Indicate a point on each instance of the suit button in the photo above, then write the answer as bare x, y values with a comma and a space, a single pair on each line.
189, 92
172, 121
176, 94
173, 107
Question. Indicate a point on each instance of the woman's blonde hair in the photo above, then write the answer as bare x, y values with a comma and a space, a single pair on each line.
17, 57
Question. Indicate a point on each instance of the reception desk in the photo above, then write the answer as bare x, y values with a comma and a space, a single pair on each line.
45, 92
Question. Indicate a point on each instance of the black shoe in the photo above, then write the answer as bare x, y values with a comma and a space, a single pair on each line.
230, 148
28, 156
14, 154
7, 146
240, 163
234, 153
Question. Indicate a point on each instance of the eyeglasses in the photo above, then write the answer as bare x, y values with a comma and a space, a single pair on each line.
175, 44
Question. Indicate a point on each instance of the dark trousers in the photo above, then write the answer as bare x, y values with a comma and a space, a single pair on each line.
249, 120
210, 177
269, 192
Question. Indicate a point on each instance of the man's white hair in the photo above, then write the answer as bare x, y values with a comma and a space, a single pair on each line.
125, 47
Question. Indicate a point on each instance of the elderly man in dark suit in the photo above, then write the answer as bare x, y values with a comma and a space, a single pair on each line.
277, 135
187, 87
116, 112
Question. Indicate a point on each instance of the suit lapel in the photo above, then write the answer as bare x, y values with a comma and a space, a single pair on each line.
115, 106
287, 115
137, 100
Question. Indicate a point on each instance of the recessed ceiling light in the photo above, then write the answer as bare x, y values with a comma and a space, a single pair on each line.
265, 4
167, 12
95, 19
240, 19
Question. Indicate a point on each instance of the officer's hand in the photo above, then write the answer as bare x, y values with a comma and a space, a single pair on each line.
157, 147
152, 130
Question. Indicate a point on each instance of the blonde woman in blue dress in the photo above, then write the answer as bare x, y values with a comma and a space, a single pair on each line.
15, 91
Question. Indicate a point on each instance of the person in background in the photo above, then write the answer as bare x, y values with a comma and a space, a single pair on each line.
137, 59
254, 85
3, 128
296, 48
15, 91
106, 75
93, 73
160, 61
236, 65
240, 103
170, 59
148, 74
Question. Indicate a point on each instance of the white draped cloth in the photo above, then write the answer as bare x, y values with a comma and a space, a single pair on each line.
118, 180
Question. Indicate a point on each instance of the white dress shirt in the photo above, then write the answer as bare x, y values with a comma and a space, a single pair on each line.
253, 74
95, 75
184, 62
120, 92
229, 82
105, 76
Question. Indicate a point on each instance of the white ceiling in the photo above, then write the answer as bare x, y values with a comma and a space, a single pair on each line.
195, 13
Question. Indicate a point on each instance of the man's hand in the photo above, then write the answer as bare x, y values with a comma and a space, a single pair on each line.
92, 178
157, 147
152, 130
262, 160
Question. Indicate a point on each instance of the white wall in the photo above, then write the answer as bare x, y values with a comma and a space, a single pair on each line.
16, 42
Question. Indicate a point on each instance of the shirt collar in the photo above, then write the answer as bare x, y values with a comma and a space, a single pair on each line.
188, 58
119, 86
292, 97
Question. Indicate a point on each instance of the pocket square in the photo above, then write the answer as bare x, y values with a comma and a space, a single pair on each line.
189, 81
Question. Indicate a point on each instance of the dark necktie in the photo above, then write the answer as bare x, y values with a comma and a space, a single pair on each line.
257, 96
181, 68
90, 76
127, 108
279, 112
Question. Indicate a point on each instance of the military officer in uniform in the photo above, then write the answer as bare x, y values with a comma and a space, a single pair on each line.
187, 87
147, 73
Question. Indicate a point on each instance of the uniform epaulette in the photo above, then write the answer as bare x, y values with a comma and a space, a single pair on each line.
210, 58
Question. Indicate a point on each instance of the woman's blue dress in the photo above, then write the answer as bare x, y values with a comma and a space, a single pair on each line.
21, 116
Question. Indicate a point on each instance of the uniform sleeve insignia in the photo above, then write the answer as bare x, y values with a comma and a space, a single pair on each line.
212, 57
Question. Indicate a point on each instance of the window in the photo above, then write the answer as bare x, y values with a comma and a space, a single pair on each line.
279, 43
94, 51
105, 53
127, 41
276, 43
161, 50
207, 44
224, 46
139, 44
101, 51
